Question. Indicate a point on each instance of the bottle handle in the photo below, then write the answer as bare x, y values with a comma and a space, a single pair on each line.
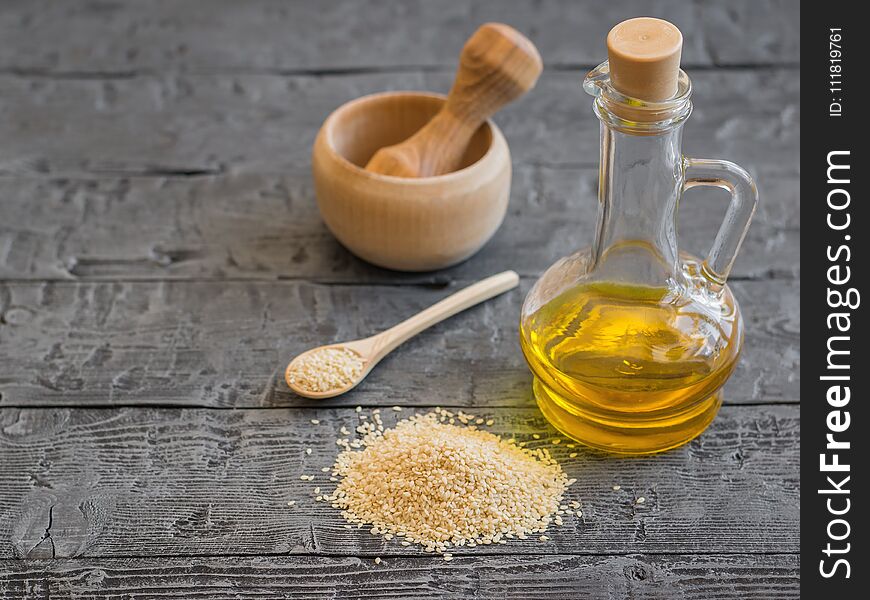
734, 179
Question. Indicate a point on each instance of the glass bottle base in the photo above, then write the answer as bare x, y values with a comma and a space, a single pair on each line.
637, 436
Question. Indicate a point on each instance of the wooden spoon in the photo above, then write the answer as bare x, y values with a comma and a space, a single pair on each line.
497, 65
372, 349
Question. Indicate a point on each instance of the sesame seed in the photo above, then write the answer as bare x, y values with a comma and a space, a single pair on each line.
640, 500
291, 502
358, 409
315, 421
536, 436
616, 488
397, 408
448, 556
444, 485
378, 560
308, 451
325, 369
572, 455
543, 538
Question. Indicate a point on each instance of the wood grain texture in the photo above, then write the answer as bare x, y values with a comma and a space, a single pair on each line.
225, 344
159, 246
184, 124
116, 482
705, 577
120, 37
259, 226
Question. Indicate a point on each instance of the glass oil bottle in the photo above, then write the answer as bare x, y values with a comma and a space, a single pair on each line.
631, 341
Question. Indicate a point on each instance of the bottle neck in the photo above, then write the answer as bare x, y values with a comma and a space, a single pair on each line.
640, 181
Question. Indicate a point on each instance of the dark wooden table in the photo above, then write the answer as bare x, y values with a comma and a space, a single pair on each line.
161, 258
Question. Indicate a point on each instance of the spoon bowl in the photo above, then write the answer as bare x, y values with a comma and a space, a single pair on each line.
359, 347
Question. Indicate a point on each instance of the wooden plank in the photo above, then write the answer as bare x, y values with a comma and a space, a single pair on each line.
178, 124
262, 226
225, 344
116, 482
704, 577
179, 140
123, 37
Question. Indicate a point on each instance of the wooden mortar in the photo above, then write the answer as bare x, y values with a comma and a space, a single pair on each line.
408, 224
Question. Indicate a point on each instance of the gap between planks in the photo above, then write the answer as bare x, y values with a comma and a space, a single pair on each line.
364, 405
436, 283
388, 555
109, 75
306, 406
182, 173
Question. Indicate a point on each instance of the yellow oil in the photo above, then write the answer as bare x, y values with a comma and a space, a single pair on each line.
630, 369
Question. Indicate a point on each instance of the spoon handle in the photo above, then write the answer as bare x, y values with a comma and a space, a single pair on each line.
485, 289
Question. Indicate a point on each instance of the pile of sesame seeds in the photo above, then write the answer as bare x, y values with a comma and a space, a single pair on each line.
440, 481
325, 369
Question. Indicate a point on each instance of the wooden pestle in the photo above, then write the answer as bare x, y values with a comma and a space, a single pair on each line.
497, 65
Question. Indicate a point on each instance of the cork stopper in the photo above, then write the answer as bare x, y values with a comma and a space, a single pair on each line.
644, 56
